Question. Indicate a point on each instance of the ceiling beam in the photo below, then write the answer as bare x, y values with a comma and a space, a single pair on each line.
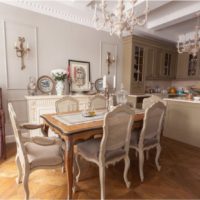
177, 15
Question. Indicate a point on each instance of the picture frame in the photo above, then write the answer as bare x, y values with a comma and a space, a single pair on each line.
45, 84
80, 75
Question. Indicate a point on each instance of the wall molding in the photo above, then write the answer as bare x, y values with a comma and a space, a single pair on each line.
38, 7
35, 29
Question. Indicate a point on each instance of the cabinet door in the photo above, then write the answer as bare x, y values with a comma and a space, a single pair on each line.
138, 69
173, 65
166, 66
158, 63
182, 66
192, 67
150, 64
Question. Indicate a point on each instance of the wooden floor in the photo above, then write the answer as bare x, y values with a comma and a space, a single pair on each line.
179, 178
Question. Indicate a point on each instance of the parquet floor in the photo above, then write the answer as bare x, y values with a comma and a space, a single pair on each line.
179, 178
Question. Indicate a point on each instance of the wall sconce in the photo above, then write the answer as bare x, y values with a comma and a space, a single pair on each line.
110, 60
21, 51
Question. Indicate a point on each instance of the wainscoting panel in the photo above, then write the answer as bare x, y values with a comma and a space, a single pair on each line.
17, 78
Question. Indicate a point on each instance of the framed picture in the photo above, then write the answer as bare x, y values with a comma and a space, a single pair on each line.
80, 75
45, 84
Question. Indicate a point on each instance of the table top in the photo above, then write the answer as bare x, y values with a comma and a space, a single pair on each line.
53, 121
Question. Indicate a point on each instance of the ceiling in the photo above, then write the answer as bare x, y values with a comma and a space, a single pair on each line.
167, 18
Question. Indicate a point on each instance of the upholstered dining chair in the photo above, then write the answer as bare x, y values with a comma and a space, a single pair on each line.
98, 102
114, 145
33, 153
149, 136
148, 102
67, 104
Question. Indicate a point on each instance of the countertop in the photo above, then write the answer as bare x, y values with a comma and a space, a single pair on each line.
182, 99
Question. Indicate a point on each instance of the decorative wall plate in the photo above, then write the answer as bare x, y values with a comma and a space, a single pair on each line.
45, 84
99, 85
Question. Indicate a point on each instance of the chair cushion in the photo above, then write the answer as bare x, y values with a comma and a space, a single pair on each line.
43, 141
90, 149
39, 155
135, 135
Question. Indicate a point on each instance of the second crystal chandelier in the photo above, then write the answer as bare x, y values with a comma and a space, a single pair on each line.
123, 19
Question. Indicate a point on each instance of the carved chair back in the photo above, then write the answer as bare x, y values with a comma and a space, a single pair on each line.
98, 102
18, 138
148, 102
152, 124
67, 104
117, 130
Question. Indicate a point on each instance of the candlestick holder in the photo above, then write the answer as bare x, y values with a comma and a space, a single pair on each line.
106, 94
110, 60
21, 51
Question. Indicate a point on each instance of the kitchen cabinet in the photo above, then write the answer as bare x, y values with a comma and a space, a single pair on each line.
138, 68
188, 67
133, 65
146, 59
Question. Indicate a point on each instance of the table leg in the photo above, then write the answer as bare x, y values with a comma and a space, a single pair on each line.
45, 130
69, 165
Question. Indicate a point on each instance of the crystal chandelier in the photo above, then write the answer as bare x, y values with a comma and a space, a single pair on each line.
190, 42
123, 19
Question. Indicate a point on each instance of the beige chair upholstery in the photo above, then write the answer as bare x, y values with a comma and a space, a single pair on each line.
149, 137
98, 102
67, 104
148, 102
114, 145
45, 153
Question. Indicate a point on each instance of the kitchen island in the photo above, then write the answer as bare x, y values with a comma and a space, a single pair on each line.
182, 121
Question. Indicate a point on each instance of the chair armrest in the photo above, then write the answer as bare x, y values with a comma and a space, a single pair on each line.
31, 126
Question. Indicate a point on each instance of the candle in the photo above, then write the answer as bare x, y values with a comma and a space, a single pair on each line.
27, 45
114, 81
104, 82
113, 59
75, 73
15, 44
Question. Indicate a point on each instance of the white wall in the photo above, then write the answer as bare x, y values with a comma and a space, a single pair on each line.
52, 42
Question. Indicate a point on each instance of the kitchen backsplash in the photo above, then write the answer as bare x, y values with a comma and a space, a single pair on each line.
167, 84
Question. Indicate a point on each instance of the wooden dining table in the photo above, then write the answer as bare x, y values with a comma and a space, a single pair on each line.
74, 133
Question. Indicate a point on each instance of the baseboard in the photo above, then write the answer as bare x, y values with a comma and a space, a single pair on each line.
10, 139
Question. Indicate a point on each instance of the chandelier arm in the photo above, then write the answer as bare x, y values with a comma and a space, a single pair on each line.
179, 48
121, 19
142, 22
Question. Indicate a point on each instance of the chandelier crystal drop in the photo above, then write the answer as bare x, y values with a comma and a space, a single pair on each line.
190, 42
123, 19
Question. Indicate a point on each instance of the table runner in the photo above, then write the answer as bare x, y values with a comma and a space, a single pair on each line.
78, 118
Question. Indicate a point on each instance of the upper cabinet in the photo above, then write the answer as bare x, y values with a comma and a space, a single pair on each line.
146, 59
188, 67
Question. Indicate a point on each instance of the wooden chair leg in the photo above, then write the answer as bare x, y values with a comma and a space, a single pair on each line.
25, 183
141, 164
158, 150
19, 167
102, 180
126, 168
